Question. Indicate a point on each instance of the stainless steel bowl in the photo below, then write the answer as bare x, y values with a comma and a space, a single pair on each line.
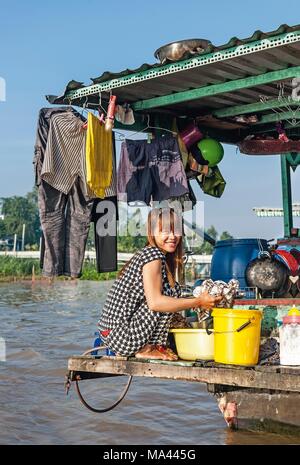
177, 50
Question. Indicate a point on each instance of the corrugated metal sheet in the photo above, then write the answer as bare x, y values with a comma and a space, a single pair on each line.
261, 53
256, 63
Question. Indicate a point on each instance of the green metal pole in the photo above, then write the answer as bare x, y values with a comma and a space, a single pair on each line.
286, 195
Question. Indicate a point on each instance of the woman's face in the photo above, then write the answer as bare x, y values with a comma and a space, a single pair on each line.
166, 239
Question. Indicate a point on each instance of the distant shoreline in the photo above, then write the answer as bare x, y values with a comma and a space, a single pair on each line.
14, 269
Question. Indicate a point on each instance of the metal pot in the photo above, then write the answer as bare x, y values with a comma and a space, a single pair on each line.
268, 275
177, 50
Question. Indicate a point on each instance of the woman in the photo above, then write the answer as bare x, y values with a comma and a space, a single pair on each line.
138, 310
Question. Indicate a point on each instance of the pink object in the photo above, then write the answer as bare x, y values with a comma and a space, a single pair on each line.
229, 411
291, 319
101, 118
109, 122
190, 135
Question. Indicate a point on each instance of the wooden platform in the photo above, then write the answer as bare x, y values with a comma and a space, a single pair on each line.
276, 378
263, 397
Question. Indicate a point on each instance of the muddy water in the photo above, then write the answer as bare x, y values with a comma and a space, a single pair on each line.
43, 325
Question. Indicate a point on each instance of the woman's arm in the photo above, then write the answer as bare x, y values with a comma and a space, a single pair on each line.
158, 302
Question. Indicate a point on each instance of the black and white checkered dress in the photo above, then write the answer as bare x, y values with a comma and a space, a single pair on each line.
126, 313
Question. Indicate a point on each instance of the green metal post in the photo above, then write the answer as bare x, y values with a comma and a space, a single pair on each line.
286, 195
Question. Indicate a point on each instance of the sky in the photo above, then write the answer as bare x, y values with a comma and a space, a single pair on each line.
43, 45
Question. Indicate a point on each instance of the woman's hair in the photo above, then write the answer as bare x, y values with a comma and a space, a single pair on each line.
165, 218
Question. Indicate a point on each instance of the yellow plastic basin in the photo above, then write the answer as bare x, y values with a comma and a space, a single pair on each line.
193, 344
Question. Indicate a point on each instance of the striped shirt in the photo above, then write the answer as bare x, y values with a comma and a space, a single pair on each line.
64, 158
111, 190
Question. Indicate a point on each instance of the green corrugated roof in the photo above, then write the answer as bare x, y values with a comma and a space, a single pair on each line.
234, 42
221, 82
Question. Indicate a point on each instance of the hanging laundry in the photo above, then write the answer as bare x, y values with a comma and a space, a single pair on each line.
105, 245
65, 220
140, 184
212, 184
167, 170
42, 137
64, 154
151, 170
124, 114
39, 150
111, 190
65, 214
98, 157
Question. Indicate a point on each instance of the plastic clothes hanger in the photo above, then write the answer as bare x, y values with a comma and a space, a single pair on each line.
102, 114
84, 126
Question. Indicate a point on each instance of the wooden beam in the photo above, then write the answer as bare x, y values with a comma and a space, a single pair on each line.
215, 89
232, 376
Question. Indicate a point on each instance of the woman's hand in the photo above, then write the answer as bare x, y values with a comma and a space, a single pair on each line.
207, 301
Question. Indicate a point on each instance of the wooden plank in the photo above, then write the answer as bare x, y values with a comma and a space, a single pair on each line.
228, 376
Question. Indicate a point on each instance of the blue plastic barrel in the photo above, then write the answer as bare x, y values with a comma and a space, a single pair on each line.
231, 257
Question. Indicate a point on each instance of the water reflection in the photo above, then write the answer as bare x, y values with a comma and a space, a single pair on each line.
43, 325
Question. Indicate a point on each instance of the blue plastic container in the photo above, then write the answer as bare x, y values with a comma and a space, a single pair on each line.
231, 257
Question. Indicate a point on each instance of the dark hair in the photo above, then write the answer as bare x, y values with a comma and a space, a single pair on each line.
174, 259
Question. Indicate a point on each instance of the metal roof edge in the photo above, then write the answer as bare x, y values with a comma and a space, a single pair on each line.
198, 61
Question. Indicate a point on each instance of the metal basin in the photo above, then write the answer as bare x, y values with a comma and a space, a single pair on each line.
177, 50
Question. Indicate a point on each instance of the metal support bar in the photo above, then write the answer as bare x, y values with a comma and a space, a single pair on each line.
215, 89
284, 115
286, 195
253, 108
294, 160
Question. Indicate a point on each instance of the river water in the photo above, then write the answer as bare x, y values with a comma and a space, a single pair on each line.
43, 324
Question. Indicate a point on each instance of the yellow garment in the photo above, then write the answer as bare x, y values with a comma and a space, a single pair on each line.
98, 155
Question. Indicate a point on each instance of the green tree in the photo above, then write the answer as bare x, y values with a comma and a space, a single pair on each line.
206, 248
2, 229
18, 211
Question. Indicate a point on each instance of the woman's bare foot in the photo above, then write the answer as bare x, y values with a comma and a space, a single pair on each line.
156, 354
168, 351
146, 347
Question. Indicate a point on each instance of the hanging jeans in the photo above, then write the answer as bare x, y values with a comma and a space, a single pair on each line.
65, 221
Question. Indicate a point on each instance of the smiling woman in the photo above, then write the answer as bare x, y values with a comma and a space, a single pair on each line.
139, 307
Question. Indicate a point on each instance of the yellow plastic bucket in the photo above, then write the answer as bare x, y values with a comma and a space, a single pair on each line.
193, 344
237, 336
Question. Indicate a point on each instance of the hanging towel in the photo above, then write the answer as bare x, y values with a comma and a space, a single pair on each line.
214, 184
98, 157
